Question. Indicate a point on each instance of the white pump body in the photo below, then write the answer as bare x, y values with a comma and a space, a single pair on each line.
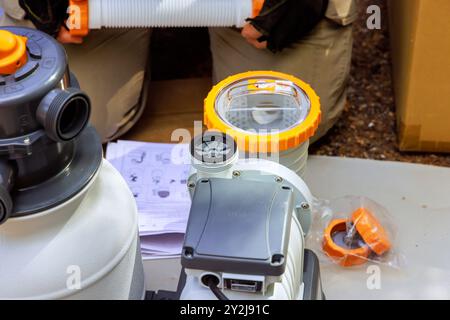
290, 285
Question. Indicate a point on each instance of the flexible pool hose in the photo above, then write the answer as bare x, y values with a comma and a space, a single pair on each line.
97, 14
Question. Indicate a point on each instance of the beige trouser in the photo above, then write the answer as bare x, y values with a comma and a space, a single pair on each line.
111, 65
322, 59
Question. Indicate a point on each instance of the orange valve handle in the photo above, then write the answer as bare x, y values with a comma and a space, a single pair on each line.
346, 257
13, 52
371, 231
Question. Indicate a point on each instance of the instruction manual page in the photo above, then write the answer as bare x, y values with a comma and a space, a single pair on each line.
157, 176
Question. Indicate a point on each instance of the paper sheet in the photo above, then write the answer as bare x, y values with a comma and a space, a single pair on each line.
163, 244
157, 175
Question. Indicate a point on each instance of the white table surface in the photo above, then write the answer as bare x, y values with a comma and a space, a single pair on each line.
417, 197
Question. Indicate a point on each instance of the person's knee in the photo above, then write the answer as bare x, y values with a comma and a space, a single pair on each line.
332, 111
7, 21
105, 54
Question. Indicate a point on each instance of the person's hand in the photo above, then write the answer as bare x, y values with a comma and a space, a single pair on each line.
284, 22
252, 35
65, 37
47, 16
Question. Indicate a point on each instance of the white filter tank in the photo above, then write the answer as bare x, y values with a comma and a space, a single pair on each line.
86, 248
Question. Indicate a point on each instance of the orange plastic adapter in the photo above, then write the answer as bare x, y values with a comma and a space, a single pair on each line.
257, 7
369, 229
343, 256
78, 21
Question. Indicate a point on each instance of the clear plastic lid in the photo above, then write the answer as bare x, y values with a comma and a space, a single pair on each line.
264, 105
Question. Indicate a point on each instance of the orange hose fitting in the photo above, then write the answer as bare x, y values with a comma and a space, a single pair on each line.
257, 7
345, 257
78, 21
371, 231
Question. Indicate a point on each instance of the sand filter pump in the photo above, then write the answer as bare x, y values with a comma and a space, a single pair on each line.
245, 238
68, 223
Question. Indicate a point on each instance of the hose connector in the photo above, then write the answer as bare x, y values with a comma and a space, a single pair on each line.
64, 113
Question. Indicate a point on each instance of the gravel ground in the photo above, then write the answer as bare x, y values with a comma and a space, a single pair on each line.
367, 128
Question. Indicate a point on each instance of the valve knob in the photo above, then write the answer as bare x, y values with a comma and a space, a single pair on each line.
13, 52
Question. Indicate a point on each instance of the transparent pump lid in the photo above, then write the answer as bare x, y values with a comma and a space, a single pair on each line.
264, 111
263, 105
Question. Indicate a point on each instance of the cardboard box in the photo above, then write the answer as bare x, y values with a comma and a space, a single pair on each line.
172, 104
420, 41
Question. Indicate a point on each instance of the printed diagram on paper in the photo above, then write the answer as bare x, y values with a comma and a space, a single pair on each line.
157, 176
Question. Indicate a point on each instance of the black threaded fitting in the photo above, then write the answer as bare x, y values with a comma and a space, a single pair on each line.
64, 113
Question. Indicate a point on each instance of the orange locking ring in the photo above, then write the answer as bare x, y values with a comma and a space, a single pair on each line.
13, 52
78, 21
344, 255
371, 231
253, 142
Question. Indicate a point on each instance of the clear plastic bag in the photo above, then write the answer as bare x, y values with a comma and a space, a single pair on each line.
352, 231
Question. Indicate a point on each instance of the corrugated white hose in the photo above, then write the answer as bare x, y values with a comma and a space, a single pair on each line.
168, 13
